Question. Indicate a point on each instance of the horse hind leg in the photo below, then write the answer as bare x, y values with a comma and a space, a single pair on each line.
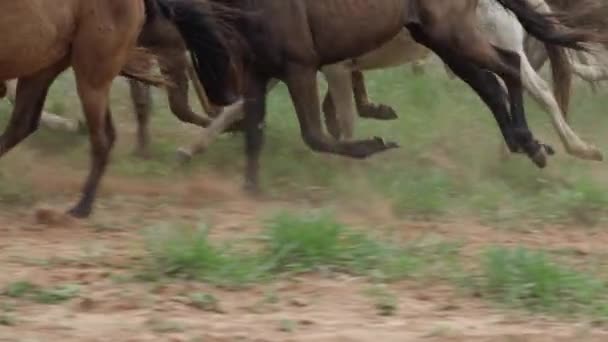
469, 46
142, 100
29, 101
365, 107
541, 92
302, 85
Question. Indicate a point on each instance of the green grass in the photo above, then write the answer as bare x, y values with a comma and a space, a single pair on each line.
51, 295
293, 244
529, 279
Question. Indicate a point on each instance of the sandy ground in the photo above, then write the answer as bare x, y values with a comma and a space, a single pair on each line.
98, 254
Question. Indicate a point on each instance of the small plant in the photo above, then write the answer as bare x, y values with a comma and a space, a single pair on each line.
384, 301
528, 279
303, 244
286, 325
56, 294
20, 289
53, 295
205, 302
162, 326
7, 320
186, 252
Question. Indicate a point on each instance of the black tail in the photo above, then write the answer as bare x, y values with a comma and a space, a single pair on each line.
545, 27
208, 42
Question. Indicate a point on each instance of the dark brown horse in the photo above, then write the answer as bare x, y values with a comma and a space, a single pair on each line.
292, 39
42, 38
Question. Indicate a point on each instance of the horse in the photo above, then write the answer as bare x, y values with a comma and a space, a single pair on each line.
96, 38
503, 30
305, 35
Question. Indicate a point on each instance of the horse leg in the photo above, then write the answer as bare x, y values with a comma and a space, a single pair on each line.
3, 90
231, 116
471, 47
142, 100
331, 118
255, 112
365, 107
340, 87
302, 85
510, 72
175, 69
95, 104
49, 120
541, 92
29, 100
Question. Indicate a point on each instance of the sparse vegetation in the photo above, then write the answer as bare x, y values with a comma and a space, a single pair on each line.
295, 244
51, 295
529, 279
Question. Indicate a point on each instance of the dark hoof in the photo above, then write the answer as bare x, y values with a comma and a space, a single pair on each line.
366, 148
80, 212
183, 156
540, 158
378, 112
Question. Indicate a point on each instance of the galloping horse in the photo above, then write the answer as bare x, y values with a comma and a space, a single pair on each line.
292, 40
42, 38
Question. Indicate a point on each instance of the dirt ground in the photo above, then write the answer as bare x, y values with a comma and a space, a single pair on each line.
46, 248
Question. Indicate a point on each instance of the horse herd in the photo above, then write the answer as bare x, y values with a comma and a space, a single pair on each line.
235, 51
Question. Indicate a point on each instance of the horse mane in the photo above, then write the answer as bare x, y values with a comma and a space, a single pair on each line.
210, 31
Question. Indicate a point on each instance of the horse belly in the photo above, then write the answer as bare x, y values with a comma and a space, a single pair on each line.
343, 29
37, 35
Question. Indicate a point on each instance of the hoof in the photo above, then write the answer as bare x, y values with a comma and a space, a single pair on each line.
366, 148
540, 158
183, 156
80, 212
378, 112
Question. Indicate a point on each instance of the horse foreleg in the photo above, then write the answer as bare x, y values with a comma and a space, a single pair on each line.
541, 92
365, 107
302, 85
255, 112
29, 99
228, 117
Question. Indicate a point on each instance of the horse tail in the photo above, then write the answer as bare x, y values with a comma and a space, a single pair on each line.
561, 72
211, 42
551, 27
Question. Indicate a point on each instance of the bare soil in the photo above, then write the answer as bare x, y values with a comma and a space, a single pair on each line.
44, 247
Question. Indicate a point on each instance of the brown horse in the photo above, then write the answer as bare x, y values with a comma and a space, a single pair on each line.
96, 38
291, 40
